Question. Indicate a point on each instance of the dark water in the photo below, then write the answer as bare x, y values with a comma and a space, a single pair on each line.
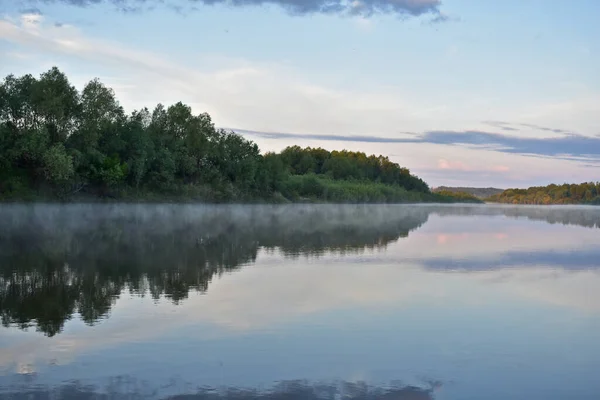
299, 302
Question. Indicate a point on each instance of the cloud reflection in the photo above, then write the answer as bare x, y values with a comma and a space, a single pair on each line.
313, 262
87, 256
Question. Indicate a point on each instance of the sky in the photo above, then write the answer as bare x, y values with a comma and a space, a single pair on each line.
461, 92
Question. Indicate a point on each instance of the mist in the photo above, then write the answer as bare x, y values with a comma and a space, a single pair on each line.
87, 255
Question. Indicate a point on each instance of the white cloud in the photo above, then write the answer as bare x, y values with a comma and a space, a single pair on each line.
20, 56
254, 96
364, 24
276, 98
31, 20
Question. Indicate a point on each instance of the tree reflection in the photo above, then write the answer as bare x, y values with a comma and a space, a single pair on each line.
585, 216
56, 261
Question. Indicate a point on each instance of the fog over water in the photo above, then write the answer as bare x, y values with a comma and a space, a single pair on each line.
299, 301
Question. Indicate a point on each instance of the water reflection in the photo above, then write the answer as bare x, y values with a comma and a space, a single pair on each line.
56, 261
586, 216
469, 296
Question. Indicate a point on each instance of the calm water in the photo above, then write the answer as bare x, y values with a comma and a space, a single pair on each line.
299, 302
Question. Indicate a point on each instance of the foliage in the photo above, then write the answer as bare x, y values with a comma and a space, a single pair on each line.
481, 193
459, 196
584, 193
58, 165
348, 165
311, 187
57, 142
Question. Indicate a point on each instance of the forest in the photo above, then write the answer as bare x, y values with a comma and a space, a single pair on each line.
57, 143
584, 193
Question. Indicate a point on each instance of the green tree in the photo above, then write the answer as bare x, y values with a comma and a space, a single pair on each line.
58, 165
56, 104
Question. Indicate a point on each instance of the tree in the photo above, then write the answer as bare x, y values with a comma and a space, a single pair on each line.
56, 104
17, 111
139, 148
58, 165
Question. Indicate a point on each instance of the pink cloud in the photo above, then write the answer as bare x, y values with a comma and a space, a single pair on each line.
453, 165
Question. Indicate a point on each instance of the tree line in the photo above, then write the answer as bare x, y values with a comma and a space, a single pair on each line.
481, 193
584, 193
57, 142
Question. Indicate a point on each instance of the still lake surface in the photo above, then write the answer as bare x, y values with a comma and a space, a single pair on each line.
299, 302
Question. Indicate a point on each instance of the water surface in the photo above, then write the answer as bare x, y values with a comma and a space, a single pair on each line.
299, 302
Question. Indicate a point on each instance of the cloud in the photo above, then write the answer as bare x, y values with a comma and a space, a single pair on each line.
439, 18
565, 146
501, 125
364, 23
33, 18
295, 7
235, 92
500, 168
452, 165
453, 171
546, 129
121, 5
32, 11
122, 387
442, 17
507, 126
15, 55
330, 137
240, 93
449, 165
572, 147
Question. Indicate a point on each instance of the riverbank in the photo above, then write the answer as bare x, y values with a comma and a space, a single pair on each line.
295, 189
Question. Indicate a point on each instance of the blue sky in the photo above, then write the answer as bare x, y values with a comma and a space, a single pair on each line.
462, 92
